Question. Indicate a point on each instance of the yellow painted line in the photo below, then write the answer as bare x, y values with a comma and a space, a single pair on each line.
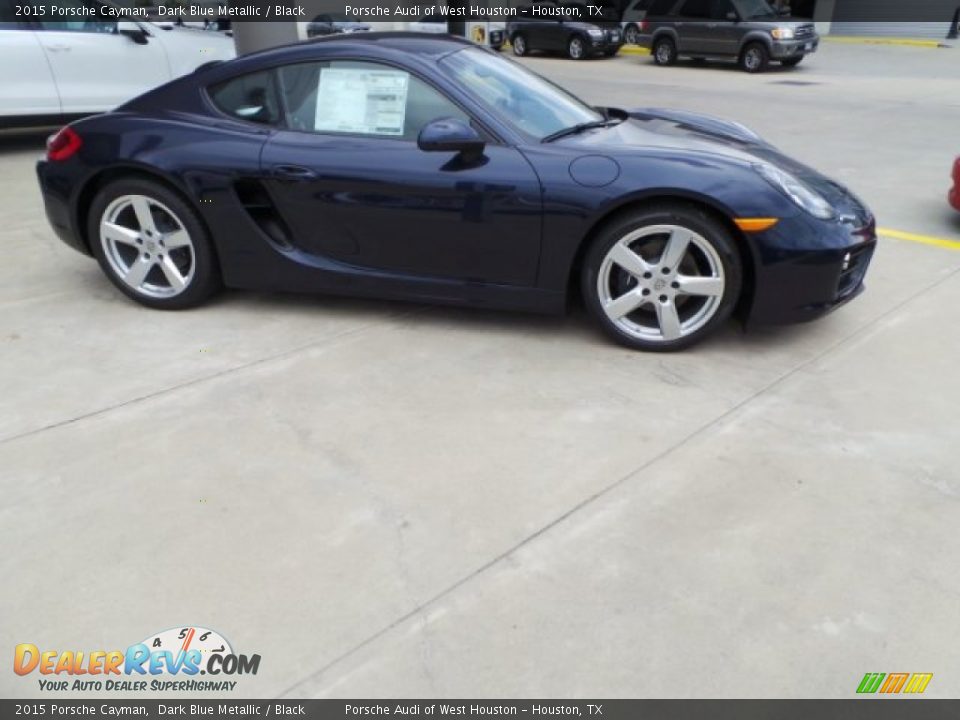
925, 239
633, 50
911, 42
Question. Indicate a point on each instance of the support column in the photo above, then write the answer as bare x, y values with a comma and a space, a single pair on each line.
252, 36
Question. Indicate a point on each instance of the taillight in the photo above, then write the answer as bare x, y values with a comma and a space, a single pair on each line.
63, 145
644, 26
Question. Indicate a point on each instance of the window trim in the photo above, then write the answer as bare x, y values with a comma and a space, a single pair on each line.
489, 136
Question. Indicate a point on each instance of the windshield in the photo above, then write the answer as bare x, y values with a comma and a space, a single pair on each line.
755, 9
517, 96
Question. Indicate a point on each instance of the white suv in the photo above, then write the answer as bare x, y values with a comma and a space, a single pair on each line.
50, 70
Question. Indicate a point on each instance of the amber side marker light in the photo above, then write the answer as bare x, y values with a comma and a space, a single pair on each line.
755, 224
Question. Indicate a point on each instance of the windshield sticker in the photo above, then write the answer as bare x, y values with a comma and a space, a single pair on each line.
360, 100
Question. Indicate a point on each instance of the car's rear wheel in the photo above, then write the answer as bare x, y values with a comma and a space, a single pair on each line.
152, 245
576, 48
665, 51
631, 35
755, 58
662, 278
792, 62
519, 43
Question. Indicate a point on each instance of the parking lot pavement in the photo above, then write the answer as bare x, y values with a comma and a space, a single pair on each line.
392, 500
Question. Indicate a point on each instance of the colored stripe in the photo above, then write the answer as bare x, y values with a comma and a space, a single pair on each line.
894, 683
924, 239
870, 682
918, 682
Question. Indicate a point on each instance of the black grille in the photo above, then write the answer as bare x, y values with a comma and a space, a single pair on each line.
803, 32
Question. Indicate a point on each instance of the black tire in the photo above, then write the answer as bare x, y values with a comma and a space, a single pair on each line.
755, 58
792, 62
664, 51
519, 43
577, 48
631, 34
726, 260
197, 261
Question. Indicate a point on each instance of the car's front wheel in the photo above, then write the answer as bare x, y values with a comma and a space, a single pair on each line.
665, 51
519, 44
662, 278
576, 48
631, 34
755, 58
152, 245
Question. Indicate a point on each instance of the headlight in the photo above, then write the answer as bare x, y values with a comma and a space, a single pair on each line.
595, 32
797, 191
782, 33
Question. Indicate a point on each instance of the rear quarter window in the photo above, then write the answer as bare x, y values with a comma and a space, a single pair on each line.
250, 97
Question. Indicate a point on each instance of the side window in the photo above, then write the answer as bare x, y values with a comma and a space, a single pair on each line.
661, 7
250, 97
91, 25
721, 9
696, 9
361, 98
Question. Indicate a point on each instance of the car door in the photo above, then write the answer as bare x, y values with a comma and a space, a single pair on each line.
724, 28
26, 82
95, 67
350, 181
692, 27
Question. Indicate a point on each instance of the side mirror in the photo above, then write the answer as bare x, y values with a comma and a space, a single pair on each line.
133, 31
733, 17
450, 135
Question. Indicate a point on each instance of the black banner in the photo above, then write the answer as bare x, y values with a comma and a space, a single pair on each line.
865, 709
385, 11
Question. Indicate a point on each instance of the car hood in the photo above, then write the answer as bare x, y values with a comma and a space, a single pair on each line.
656, 129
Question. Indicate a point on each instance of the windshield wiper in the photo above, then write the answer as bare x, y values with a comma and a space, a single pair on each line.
579, 128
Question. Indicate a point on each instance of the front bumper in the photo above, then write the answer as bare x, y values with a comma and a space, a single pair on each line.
806, 268
786, 49
611, 40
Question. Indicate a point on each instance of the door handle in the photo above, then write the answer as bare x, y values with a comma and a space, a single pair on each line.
58, 48
293, 172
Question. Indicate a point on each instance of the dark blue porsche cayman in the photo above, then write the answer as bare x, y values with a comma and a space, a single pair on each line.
425, 168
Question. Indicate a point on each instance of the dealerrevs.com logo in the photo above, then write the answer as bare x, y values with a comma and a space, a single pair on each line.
169, 661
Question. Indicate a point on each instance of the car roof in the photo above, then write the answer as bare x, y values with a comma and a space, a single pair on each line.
430, 44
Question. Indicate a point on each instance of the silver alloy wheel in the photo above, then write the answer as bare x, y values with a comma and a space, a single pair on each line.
752, 59
147, 246
631, 35
519, 45
666, 297
576, 48
664, 53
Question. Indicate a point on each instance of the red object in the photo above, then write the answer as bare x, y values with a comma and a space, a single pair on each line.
644, 26
63, 145
954, 196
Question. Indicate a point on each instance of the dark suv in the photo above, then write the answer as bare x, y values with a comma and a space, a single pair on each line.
571, 28
750, 31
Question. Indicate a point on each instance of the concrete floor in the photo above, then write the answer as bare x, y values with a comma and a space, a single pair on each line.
391, 500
